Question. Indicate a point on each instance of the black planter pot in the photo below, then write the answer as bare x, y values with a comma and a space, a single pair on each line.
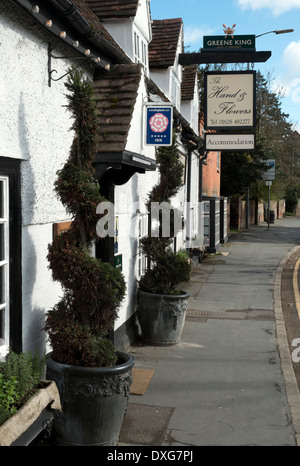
162, 317
94, 402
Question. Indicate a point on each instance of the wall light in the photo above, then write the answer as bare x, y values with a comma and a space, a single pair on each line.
48, 23
75, 43
35, 9
62, 34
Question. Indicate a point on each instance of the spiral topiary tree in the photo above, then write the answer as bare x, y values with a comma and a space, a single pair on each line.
166, 268
78, 324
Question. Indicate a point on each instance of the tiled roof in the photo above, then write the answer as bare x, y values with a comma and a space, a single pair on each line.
165, 38
188, 82
87, 12
105, 9
116, 95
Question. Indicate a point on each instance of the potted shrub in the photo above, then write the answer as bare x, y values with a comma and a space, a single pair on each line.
162, 306
26, 401
92, 377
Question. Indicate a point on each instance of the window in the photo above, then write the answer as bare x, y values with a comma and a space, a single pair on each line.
140, 51
143, 231
136, 47
4, 264
175, 90
10, 256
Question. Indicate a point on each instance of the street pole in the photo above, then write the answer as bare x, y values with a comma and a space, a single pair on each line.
269, 190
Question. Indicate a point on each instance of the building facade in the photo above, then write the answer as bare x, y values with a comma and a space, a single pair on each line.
116, 44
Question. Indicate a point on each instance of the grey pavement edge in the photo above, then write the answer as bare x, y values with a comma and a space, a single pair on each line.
291, 385
230, 380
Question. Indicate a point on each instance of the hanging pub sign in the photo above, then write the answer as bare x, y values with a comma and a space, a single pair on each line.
229, 100
159, 125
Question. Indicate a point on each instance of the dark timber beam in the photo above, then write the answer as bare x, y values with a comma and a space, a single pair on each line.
223, 56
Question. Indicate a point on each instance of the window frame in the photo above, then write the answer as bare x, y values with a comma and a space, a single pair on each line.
4, 264
142, 233
11, 170
140, 49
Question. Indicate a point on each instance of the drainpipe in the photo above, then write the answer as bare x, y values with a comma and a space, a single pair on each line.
188, 197
191, 146
202, 157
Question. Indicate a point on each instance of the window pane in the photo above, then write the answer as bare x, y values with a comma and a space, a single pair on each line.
2, 312
2, 242
2, 284
1, 198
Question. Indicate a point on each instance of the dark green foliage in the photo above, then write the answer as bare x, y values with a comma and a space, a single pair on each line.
239, 170
167, 269
20, 377
93, 290
291, 198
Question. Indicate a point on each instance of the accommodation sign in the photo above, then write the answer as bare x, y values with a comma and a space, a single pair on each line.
229, 142
229, 99
159, 125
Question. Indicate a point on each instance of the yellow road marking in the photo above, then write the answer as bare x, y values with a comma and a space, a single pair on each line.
295, 285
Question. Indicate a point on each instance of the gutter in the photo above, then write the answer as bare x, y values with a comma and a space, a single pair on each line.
67, 14
72, 15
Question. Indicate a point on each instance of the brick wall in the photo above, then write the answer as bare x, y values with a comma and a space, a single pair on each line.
211, 176
281, 209
238, 212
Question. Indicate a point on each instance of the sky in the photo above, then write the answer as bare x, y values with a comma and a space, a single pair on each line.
206, 18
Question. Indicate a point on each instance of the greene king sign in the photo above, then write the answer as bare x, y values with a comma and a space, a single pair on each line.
229, 42
229, 99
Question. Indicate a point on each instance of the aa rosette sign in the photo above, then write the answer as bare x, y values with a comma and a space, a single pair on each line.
159, 125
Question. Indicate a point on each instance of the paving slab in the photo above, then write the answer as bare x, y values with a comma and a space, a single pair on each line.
229, 382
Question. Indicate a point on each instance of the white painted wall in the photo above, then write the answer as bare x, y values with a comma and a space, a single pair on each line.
142, 19
162, 78
35, 127
123, 30
190, 109
129, 201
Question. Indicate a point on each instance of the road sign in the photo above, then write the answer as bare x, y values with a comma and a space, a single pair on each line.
159, 125
270, 174
229, 42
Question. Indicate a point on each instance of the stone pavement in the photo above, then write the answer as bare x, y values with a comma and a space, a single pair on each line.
230, 380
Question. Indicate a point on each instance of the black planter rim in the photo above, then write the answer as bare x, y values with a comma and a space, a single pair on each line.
184, 295
126, 358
